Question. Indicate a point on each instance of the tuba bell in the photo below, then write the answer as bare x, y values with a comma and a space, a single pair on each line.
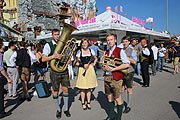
65, 47
112, 62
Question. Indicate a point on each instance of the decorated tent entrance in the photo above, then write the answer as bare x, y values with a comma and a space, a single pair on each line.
109, 21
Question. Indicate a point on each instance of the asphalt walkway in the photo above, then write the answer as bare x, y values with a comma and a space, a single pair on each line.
161, 101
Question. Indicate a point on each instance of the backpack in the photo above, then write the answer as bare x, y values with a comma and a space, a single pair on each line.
151, 56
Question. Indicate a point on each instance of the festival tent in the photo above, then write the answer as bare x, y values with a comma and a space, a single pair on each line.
109, 21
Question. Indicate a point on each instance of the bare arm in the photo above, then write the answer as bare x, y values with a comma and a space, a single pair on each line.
95, 60
37, 57
3, 72
49, 58
76, 61
174, 49
101, 51
132, 61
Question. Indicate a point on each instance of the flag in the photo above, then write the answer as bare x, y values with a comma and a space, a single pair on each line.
116, 9
149, 19
121, 9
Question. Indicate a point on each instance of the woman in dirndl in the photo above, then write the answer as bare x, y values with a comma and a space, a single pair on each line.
86, 80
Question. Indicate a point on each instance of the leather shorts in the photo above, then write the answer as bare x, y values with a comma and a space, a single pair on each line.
112, 86
58, 78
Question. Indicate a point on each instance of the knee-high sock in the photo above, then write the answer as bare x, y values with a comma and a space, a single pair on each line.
56, 102
65, 98
119, 111
129, 96
124, 95
111, 109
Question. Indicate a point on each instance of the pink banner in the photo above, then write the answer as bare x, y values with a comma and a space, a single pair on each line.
138, 20
83, 22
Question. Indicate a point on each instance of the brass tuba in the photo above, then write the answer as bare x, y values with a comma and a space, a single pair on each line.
65, 47
112, 62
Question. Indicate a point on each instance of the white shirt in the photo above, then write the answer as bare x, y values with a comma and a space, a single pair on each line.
32, 56
155, 51
162, 52
146, 51
47, 49
79, 53
14, 56
121, 45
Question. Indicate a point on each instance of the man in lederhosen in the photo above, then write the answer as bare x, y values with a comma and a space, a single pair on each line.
144, 57
128, 79
23, 63
57, 78
113, 78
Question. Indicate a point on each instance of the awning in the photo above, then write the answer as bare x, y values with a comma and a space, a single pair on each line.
110, 20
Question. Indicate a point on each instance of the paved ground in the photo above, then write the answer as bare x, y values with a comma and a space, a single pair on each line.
161, 101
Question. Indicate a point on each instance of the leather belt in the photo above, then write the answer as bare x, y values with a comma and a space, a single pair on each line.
11, 66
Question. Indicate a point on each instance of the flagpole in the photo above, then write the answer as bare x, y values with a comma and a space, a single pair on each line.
117, 14
116, 10
120, 13
152, 25
120, 18
166, 15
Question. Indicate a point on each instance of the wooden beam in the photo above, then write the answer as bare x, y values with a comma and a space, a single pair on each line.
11, 29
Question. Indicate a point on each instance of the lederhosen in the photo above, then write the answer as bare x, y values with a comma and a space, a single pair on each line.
58, 78
128, 79
24, 62
113, 82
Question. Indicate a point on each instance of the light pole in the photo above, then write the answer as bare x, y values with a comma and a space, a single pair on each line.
167, 15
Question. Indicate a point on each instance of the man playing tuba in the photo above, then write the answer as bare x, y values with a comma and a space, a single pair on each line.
113, 77
57, 78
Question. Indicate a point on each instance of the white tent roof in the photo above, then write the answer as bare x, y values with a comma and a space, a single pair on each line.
110, 20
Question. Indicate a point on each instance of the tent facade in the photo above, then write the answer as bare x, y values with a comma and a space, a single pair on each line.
111, 21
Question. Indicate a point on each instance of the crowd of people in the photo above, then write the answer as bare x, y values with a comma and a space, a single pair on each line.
21, 61
18, 63
169, 54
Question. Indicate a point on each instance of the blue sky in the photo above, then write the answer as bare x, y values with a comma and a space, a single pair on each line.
148, 8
